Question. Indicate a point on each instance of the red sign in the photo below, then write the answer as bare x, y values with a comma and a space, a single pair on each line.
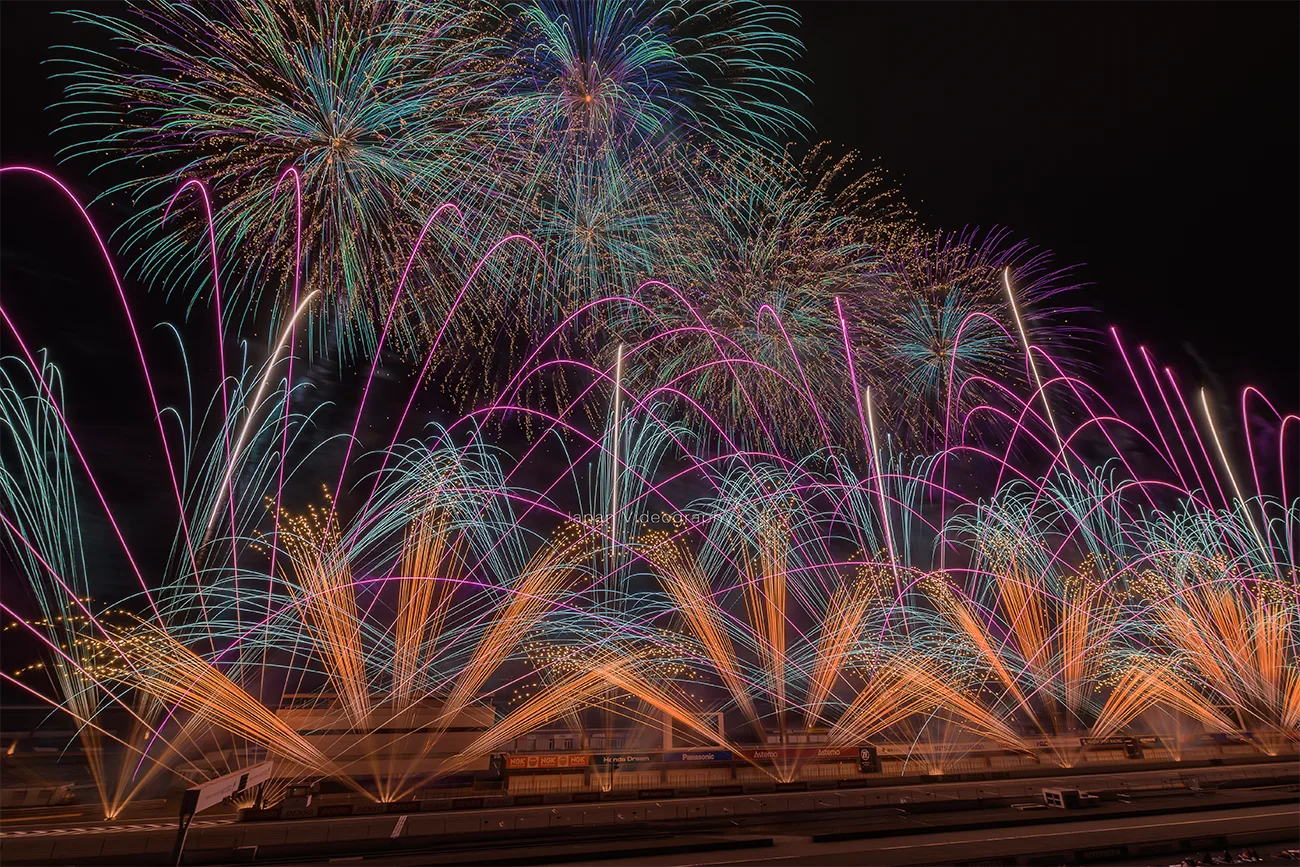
547, 761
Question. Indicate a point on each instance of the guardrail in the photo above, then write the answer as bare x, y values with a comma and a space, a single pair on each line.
1113, 781
363, 827
272, 814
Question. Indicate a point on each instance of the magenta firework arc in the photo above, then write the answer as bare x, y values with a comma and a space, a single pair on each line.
768, 460
1003, 584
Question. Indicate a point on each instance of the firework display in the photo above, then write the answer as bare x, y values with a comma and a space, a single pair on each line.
761, 463
585, 121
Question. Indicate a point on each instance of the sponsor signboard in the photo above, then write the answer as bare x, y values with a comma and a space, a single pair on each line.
467, 803
1043, 743
403, 806
625, 759
1228, 737
200, 797
674, 757
547, 761
652, 794
689, 756
563, 761
251, 814
773, 754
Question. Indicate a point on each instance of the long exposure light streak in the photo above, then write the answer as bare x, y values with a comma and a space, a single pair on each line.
1029, 354
619, 496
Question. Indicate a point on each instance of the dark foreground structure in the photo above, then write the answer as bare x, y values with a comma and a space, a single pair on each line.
1155, 813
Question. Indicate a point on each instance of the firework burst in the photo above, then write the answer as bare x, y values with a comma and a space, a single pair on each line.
234, 94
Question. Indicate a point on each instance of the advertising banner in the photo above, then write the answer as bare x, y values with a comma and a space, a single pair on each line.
547, 761
779, 754
689, 756
675, 757
625, 759
564, 761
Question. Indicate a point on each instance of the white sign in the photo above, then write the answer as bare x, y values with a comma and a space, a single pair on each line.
200, 797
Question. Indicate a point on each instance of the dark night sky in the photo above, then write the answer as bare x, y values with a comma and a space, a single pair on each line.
1156, 145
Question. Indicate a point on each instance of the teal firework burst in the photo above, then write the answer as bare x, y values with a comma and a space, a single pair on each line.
373, 103
617, 109
951, 331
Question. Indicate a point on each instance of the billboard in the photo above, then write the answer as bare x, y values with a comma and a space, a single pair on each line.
774, 754
689, 756
547, 762
625, 759
200, 797
565, 761
673, 757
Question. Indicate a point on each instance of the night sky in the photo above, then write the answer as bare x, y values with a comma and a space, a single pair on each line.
1155, 146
